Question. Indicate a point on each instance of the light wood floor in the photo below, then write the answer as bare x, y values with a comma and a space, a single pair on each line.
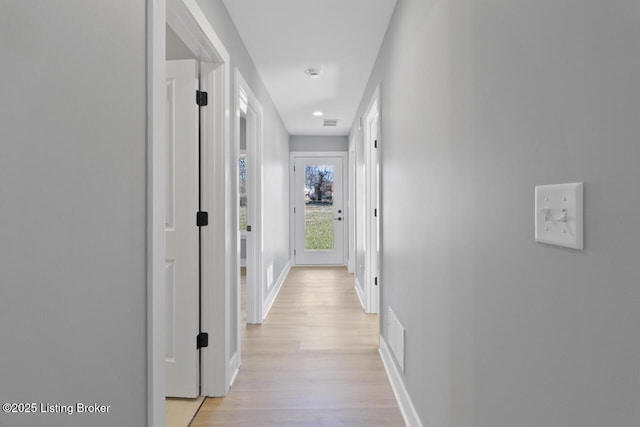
180, 412
313, 362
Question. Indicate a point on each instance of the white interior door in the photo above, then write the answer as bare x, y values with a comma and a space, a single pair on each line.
319, 211
374, 211
182, 234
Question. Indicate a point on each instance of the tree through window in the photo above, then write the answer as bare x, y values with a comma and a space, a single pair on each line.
319, 183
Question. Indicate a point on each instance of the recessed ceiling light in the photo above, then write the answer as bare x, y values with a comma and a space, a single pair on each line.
313, 72
318, 113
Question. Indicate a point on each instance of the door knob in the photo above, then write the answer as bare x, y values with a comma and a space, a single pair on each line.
338, 219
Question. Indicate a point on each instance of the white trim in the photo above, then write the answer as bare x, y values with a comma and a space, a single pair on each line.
292, 191
359, 293
192, 26
275, 289
155, 306
254, 260
403, 398
351, 207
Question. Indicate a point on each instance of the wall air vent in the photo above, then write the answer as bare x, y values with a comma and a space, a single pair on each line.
329, 122
395, 337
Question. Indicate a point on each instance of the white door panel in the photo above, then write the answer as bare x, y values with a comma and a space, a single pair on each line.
319, 211
182, 194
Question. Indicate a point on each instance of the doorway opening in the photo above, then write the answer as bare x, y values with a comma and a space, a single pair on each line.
319, 214
372, 177
248, 144
366, 172
216, 368
183, 197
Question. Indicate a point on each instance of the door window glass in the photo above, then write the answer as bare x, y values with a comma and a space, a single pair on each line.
243, 193
318, 203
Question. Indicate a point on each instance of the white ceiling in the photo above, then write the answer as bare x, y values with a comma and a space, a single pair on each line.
285, 37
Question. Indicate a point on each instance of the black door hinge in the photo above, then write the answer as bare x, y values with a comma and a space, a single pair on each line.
248, 228
202, 340
202, 219
202, 98
375, 144
375, 281
375, 212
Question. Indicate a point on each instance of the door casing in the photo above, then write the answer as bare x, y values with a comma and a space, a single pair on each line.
373, 211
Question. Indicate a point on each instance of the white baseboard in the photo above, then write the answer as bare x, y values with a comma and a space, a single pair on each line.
275, 289
409, 413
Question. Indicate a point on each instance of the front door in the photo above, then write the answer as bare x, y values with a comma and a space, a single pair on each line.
182, 264
319, 211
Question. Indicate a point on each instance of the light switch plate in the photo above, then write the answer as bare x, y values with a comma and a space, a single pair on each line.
559, 214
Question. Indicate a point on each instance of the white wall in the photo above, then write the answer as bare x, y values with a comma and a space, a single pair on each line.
175, 47
481, 101
275, 143
72, 210
318, 143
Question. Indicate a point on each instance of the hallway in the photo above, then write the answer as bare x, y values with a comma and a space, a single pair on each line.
313, 362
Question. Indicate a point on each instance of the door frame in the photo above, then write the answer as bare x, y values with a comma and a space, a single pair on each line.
292, 192
255, 282
373, 180
156, 242
351, 206
218, 366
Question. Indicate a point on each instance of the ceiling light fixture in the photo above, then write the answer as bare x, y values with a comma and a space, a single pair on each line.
313, 72
318, 113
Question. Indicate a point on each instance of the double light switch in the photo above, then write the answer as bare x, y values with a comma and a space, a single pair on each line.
559, 212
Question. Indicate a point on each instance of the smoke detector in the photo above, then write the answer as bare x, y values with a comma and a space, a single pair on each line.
314, 73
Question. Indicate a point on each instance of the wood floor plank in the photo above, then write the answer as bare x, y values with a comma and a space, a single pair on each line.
313, 362
302, 418
180, 412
